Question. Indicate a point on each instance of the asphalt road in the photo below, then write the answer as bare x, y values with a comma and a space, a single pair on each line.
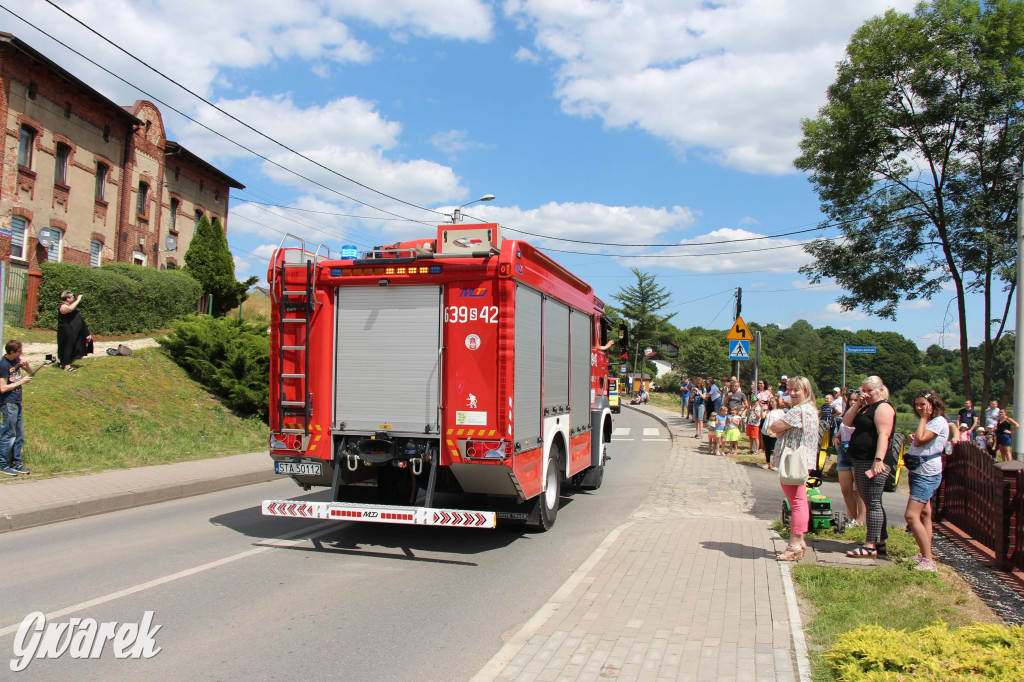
242, 596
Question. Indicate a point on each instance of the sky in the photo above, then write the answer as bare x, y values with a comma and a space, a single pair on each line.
670, 123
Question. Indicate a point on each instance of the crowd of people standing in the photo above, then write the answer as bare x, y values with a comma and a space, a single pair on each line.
785, 419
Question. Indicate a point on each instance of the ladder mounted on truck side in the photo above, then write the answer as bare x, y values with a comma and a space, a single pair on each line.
293, 287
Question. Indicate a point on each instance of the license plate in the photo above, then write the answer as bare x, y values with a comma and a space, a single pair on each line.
300, 469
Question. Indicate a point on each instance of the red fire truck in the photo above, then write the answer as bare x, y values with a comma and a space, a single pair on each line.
461, 364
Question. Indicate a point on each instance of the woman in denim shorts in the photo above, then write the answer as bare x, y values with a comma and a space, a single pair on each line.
924, 464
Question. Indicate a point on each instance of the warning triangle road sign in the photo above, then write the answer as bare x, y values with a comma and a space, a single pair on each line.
739, 331
739, 350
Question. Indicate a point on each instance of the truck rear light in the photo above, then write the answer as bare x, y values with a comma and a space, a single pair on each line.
485, 449
285, 441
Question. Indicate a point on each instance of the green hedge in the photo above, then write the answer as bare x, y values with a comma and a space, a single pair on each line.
228, 356
118, 298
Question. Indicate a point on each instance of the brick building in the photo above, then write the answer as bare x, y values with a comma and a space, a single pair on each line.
87, 181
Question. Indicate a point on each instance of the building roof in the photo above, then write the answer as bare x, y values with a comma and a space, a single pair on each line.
177, 150
31, 52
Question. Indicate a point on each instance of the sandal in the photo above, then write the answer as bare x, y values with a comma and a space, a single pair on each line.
790, 554
863, 553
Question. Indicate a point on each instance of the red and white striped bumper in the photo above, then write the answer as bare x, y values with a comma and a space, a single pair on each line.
380, 513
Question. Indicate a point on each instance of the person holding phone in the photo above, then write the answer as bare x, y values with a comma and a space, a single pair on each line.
873, 418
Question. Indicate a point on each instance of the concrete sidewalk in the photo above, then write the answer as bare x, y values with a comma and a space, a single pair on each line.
687, 589
25, 502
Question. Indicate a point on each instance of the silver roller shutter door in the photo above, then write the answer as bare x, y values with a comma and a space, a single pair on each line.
526, 406
556, 355
387, 364
580, 396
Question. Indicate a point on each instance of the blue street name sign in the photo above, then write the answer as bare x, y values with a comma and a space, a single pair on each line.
861, 349
739, 350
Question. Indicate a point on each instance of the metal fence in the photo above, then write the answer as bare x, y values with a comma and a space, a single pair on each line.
984, 499
15, 295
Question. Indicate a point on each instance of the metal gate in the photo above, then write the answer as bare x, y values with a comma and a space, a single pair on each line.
15, 295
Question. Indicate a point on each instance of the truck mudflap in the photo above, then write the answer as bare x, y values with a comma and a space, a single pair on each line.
381, 513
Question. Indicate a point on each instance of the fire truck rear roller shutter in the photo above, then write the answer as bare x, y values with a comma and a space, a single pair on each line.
579, 398
528, 329
556, 356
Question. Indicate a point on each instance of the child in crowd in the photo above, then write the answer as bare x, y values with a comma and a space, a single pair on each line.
712, 438
732, 431
965, 436
720, 423
980, 439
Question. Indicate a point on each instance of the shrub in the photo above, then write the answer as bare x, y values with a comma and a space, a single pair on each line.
669, 382
973, 652
228, 356
119, 298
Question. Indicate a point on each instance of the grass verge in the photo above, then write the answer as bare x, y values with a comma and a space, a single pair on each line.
120, 412
836, 600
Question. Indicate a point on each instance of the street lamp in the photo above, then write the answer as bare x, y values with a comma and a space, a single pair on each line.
457, 215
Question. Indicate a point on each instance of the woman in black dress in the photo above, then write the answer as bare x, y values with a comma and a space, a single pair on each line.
73, 338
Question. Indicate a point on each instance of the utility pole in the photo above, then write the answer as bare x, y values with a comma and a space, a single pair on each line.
739, 308
1018, 379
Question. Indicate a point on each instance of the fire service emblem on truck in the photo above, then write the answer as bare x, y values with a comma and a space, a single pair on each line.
472, 342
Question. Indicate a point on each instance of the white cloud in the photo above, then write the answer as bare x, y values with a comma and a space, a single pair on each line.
585, 221
346, 137
834, 311
197, 39
454, 141
916, 304
747, 220
729, 249
524, 54
730, 79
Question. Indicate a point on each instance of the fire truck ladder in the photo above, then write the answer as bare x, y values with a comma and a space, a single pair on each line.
298, 302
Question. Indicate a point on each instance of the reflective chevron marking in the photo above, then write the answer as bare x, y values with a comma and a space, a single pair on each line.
380, 513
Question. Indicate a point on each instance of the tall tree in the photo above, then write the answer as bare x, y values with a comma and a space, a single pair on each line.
640, 305
915, 158
209, 261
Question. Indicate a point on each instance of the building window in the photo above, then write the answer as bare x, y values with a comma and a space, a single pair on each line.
139, 258
19, 226
173, 224
60, 169
143, 196
199, 216
28, 142
101, 179
95, 249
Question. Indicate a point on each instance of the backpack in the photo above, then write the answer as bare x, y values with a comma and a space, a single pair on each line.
120, 350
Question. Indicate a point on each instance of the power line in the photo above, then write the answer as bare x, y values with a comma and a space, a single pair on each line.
233, 118
203, 125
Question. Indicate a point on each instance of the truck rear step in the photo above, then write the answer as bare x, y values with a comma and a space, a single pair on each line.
380, 513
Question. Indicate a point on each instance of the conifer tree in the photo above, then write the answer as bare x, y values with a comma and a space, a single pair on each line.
209, 261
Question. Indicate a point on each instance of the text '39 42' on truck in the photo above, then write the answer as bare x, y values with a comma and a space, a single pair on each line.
465, 368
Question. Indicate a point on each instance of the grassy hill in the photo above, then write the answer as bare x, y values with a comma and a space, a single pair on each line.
119, 412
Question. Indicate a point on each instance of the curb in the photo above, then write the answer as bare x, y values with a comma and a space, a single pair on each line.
657, 417
130, 499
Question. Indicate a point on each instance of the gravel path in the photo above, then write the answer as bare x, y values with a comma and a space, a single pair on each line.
989, 584
35, 353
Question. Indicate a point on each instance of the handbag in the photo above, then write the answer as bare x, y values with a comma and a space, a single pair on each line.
793, 462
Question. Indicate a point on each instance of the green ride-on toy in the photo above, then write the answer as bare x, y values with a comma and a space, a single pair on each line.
822, 516
819, 504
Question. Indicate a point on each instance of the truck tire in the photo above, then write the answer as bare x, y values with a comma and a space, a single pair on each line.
549, 500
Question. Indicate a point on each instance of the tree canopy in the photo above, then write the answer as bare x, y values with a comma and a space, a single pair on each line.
209, 261
641, 303
915, 158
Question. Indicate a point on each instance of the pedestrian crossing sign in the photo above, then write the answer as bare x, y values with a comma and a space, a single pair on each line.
739, 350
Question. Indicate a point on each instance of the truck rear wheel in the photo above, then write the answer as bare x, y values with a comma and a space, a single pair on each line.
547, 502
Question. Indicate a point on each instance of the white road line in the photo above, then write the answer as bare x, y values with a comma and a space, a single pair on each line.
620, 431
283, 541
653, 440
651, 432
